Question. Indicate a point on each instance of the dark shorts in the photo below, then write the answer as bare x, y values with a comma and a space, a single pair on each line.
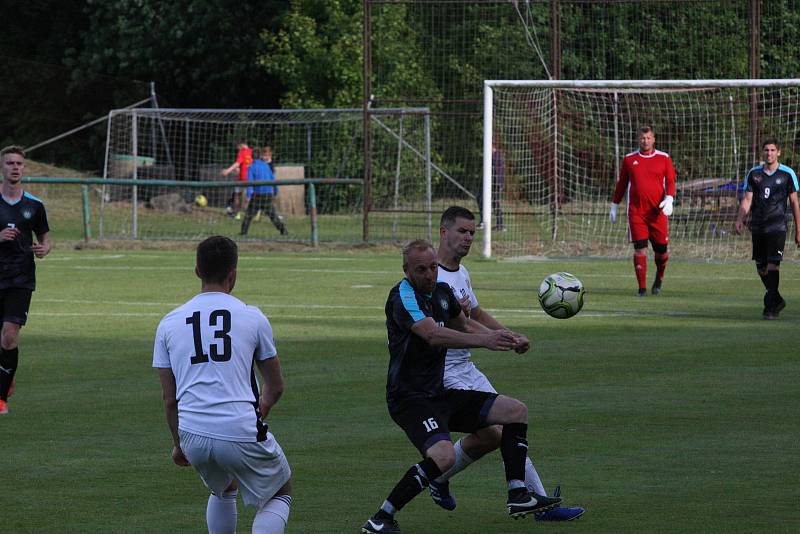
428, 421
14, 304
768, 248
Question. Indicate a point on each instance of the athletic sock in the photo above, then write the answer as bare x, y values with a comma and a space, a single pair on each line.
273, 516
640, 267
514, 449
532, 480
413, 482
221, 513
9, 358
773, 281
461, 463
661, 265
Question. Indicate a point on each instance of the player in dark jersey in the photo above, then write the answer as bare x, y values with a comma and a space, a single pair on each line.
767, 188
423, 320
21, 216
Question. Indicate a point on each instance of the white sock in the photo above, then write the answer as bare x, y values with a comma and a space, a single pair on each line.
221, 513
532, 480
272, 517
461, 463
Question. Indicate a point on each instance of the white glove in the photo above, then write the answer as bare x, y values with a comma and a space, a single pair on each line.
612, 214
666, 205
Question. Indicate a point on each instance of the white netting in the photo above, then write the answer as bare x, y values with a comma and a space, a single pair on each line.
177, 146
562, 148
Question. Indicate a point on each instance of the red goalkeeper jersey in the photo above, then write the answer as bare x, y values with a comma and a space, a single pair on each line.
649, 177
244, 158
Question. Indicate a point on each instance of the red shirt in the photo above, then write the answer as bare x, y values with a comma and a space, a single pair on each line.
650, 177
244, 158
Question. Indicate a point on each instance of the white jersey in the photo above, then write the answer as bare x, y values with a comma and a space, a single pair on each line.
461, 285
210, 344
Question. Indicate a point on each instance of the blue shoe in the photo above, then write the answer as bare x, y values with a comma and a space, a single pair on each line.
440, 493
560, 513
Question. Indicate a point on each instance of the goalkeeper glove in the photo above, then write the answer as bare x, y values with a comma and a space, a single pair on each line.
612, 214
666, 205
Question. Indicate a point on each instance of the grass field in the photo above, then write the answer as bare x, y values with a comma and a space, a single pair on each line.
674, 413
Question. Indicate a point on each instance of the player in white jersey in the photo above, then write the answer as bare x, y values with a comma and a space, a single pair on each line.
206, 352
456, 233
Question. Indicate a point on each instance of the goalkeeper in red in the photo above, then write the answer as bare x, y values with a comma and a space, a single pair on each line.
649, 178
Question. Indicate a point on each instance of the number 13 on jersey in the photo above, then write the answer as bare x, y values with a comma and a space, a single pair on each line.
219, 324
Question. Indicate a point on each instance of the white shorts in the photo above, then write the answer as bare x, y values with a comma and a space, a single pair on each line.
260, 467
464, 375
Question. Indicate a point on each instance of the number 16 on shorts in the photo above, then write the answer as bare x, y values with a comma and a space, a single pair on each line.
430, 424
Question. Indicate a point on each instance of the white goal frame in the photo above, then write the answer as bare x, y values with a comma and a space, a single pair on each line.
488, 103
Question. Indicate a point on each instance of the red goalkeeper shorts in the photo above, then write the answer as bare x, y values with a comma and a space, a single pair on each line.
649, 227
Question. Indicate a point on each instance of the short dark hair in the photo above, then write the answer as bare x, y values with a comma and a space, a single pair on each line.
13, 149
647, 129
417, 244
454, 212
770, 141
217, 256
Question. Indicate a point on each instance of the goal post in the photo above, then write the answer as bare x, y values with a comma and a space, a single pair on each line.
161, 149
559, 144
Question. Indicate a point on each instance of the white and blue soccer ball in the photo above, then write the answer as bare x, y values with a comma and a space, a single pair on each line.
561, 295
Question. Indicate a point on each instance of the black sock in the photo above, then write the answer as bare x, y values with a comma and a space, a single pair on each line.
8, 361
764, 280
773, 280
514, 449
772, 297
413, 482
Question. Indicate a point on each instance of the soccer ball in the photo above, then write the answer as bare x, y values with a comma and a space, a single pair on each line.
201, 201
561, 295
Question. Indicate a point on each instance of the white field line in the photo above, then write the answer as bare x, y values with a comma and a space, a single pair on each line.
398, 274
275, 307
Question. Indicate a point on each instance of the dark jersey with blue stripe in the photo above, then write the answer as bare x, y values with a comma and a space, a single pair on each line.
416, 369
17, 268
770, 193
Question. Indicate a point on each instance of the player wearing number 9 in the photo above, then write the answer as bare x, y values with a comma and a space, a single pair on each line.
767, 188
205, 351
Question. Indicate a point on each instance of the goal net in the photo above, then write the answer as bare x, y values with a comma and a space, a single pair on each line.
173, 149
560, 144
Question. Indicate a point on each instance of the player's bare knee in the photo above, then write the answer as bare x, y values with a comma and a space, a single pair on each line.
519, 412
486, 440
9, 339
491, 435
443, 454
509, 410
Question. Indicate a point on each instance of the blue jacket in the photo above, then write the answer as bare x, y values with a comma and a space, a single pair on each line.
260, 170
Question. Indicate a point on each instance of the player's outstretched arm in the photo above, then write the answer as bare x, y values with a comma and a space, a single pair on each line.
744, 209
272, 384
486, 319
228, 170
795, 203
442, 336
169, 393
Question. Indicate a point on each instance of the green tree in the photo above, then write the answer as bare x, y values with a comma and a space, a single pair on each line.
316, 53
200, 53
